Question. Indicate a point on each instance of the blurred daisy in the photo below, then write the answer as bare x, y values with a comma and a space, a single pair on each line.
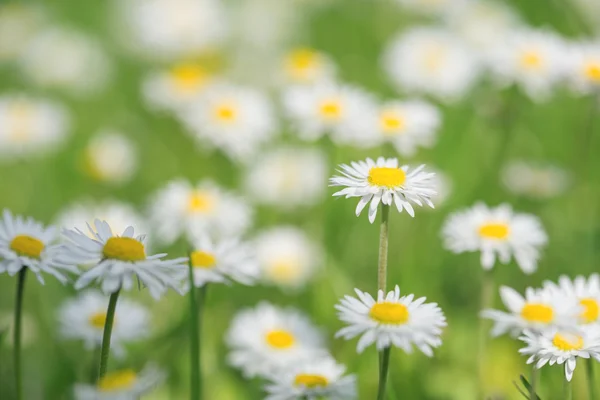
180, 209
391, 320
307, 66
287, 256
538, 310
584, 291
18, 24
265, 339
25, 243
431, 61
237, 120
288, 178
30, 126
495, 232
584, 67
83, 318
110, 157
561, 347
535, 181
223, 261
66, 59
311, 380
383, 181
118, 259
124, 384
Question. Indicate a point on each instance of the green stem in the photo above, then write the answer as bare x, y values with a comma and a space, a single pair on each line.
17, 332
94, 365
385, 363
567, 390
383, 248
110, 318
194, 339
590, 379
485, 302
535, 374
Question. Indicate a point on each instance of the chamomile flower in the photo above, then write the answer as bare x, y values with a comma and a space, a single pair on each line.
83, 318
288, 178
312, 380
538, 310
535, 181
305, 65
119, 259
496, 232
123, 384
235, 119
561, 347
383, 181
584, 67
223, 261
110, 157
265, 339
287, 257
431, 61
25, 243
182, 209
391, 320
584, 291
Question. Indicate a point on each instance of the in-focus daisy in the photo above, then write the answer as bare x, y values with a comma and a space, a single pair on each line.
540, 309
496, 232
535, 181
383, 181
287, 256
222, 261
123, 384
110, 157
561, 347
584, 291
307, 66
30, 126
181, 209
312, 380
431, 61
265, 339
83, 318
584, 67
288, 178
25, 243
235, 119
119, 259
391, 320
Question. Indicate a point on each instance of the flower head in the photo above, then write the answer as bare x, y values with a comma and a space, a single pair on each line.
583, 70
307, 66
110, 157
582, 291
123, 384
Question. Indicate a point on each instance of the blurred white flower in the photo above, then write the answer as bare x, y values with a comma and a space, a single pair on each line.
584, 67
535, 181
18, 24
123, 384
305, 65
585, 292
31, 126
288, 178
496, 232
431, 61
110, 157
287, 256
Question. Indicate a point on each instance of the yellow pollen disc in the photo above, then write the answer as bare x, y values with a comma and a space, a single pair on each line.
391, 122
567, 342
494, 231
385, 176
331, 109
533, 312
27, 246
389, 313
280, 339
201, 259
98, 320
531, 60
200, 202
226, 113
592, 71
301, 62
433, 59
116, 381
310, 380
188, 77
591, 310
284, 271
20, 116
124, 249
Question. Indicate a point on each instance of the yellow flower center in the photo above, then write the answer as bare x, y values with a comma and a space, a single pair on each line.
27, 246
533, 312
124, 249
385, 176
301, 62
331, 109
391, 122
433, 59
389, 313
591, 310
20, 115
117, 381
201, 259
200, 202
280, 339
284, 271
310, 380
98, 320
531, 60
592, 71
567, 342
498, 231
188, 77
226, 113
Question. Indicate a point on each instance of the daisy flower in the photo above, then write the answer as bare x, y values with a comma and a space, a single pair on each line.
235, 119
540, 309
25, 243
391, 320
110, 157
287, 257
265, 339
123, 384
222, 261
305, 65
312, 380
83, 318
118, 259
383, 181
584, 67
495, 232
584, 291
180, 209
535, 181
561, 347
